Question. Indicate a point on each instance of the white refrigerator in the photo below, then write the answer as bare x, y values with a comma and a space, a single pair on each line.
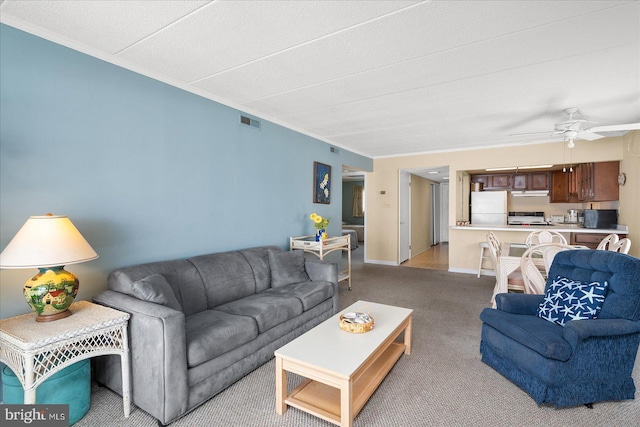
489, 207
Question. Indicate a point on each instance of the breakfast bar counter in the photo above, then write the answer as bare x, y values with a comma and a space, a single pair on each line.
464, 241
560, 228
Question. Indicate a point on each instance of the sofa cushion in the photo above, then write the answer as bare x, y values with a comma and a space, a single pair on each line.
543, 337
227, 276
567, 300
309, 293
268, 310
155, 288
287, 268
258, 258
182, 276
211, 333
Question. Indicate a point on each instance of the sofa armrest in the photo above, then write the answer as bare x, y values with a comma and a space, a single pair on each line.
577, 331
519, 303
322, 271
157, 345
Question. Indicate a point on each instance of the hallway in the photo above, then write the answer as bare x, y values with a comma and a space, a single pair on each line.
434, 258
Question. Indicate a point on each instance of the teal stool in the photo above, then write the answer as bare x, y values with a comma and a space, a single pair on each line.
71, 386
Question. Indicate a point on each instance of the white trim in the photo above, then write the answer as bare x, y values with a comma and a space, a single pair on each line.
400, 203
379, 262
463, 270
454, 150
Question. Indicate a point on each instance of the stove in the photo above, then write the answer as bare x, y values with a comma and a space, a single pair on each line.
526, 218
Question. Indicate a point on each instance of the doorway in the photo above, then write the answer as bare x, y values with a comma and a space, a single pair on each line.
354, 219
404, 214
428, 201
439, 216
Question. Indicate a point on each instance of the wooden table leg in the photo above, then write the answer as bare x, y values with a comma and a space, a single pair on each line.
346, 404
407, 336
281, 387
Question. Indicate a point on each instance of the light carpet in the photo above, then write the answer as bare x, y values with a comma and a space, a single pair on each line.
442, 383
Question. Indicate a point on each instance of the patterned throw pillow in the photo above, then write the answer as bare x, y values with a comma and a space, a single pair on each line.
568, 299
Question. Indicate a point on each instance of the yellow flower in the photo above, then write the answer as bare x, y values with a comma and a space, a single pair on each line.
313, 216
318, 219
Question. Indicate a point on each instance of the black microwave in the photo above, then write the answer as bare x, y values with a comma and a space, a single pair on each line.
600, 218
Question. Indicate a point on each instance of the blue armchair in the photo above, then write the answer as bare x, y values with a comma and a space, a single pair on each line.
582, 362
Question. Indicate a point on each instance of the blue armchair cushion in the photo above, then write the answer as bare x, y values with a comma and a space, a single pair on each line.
287, 268
567, 300
620, 271
543, 337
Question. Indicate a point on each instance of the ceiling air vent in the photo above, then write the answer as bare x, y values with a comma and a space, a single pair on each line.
249, 122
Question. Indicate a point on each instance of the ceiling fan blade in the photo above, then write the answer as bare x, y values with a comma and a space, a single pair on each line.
589, 136
613, 128
552, 133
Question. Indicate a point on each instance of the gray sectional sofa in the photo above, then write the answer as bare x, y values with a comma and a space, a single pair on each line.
200, 324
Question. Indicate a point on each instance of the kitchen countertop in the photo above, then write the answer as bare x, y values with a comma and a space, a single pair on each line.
562, 228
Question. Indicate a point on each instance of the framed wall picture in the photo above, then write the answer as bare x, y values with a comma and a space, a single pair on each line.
321, 183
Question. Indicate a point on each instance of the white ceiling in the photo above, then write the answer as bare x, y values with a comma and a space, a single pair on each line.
380, 78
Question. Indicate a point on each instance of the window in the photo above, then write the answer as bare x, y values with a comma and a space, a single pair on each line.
358, 201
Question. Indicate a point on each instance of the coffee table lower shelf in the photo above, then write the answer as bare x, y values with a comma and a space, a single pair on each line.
323, 400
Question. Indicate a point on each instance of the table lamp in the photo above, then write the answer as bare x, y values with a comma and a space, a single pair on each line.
48, 243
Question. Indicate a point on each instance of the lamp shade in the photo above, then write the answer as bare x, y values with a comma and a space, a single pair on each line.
46, 241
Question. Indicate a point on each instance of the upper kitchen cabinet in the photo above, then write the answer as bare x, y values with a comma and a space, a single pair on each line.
560, 188
589, 182
493, 181
517, 181
531, 181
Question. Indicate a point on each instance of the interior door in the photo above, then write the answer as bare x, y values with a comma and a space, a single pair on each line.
435, 214
404, 228
444, 212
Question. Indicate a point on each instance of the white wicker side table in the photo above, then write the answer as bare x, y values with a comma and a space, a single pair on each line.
34, 351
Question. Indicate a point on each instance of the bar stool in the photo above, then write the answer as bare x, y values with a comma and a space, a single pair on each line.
483, 246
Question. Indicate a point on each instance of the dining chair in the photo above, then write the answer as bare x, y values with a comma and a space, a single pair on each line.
544, 236
536, 262
613, 243
507, 268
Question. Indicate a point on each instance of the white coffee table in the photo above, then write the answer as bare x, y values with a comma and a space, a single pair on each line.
342, 369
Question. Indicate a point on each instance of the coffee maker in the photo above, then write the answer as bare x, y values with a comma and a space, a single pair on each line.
572, 216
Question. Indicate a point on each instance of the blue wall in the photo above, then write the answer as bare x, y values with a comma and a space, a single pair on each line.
146, 171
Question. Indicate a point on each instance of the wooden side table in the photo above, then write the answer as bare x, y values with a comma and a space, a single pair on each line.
35, 351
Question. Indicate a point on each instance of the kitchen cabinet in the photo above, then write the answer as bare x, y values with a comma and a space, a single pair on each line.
600, 182
520, 182
591, 240
493, 181
480, 179
500, 182
538, 181
531, 181
517, 181
562, 189
589, 182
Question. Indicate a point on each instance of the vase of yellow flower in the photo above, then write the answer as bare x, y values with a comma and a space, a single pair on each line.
320, 224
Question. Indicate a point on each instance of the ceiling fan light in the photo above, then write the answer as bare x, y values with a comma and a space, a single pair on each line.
570, 143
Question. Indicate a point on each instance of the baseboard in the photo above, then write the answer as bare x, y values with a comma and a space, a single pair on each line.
376, 261
472, 271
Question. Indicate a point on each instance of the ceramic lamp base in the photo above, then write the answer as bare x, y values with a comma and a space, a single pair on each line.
51, 317
51, 292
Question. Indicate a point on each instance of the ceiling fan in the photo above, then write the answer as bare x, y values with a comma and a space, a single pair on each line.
578, 127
